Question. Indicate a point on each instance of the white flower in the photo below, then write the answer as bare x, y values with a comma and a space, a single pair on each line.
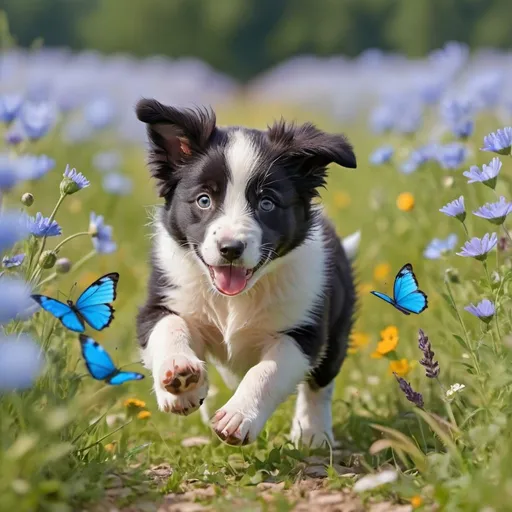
376, 480
455, 388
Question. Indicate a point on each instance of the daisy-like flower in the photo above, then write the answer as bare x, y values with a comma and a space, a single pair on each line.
33, 167
37, 119
479, 247
488, 175
438, 247
411, 395
101, 234
499, 142
405, 201
400, 367
495, 212
484, 310
388, 342
144, 415
357, 341
368, 482
457, 116
455, 209
40, 226
451, 156
454, 388
73, 181
10, 105
14, 261
21, 362
381, 155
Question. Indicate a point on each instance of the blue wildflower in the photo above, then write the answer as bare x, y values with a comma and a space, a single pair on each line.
499, 142
101, 235
14, 137
495, 212
37, 119
10, 105
8, 175
409, 118
381, 155
99, 113
455, 209
107, 161
438, 247
13, 261
13, 228
418, 158
73, 181
14, 298
484, 310
479, 247
42, 227
34, 167
117, 184
21, 362
382, 118
451, 156
457, 116
488, 175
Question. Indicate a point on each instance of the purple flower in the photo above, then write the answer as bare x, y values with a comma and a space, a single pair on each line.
451, 156
8, 175
410, 394
431, 366
42, 227
10, 105
13, 228
107, 161
101, 235
488, 175
495, 212
457, 116
381, 155
15, 299
484, 310
479, 247
117, 184
418, 158
73, 181
499, 141
455, 209
14, 261
99, 113
37, 119
14, 137
437, 247
382, 118
34, 167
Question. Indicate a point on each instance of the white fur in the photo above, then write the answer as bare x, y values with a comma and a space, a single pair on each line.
236, 223
351, 245
312, 423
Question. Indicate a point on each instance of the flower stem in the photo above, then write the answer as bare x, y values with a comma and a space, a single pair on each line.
466, 335
68, 239
465, 228
447, 404
506, 232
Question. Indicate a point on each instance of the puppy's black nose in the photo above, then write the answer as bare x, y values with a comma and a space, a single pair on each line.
231, 250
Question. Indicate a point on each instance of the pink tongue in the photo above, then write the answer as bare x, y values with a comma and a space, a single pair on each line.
230, 280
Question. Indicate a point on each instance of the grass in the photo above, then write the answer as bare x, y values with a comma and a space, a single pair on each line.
70, 442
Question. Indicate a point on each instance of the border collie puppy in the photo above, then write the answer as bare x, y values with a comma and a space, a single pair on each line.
247, 272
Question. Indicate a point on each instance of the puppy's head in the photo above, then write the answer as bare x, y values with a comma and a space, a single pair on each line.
238, 198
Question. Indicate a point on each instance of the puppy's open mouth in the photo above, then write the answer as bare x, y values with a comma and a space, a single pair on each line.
230, 280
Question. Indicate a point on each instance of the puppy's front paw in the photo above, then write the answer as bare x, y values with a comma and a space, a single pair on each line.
181, 374
185, 403
310, 434
236, 426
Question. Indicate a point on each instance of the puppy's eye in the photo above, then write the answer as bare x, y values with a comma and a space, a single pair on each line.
204, 201
266, 204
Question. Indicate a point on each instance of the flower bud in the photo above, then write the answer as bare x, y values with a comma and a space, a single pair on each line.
27, 199
47, 259
63, 265
68, 187
453, 275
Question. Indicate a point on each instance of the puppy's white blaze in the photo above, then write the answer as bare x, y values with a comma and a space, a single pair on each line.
236, 221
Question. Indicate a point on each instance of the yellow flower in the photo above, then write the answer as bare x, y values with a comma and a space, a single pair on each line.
134, 402
416, 501
110, 447
401, 367
357, 341
389, 333
144, 415
364, 289
381, 271
376, 355
341, 200
405, 201
388, 342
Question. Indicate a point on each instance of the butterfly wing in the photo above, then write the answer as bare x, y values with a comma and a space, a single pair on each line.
122, 377
383, 296
407, 296
61, 311
94, 305
97, 360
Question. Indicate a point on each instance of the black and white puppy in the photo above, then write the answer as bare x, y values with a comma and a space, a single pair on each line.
247, 272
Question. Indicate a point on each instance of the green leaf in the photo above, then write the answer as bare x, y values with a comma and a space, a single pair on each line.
461, 342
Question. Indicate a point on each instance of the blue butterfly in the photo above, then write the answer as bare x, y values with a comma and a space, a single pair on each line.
92, 306
407, 297
101, 366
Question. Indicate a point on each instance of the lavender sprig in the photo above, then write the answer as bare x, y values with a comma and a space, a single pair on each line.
410, 394
431, 367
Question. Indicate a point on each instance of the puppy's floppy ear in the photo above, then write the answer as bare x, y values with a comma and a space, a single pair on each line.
176, 136
310, 150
